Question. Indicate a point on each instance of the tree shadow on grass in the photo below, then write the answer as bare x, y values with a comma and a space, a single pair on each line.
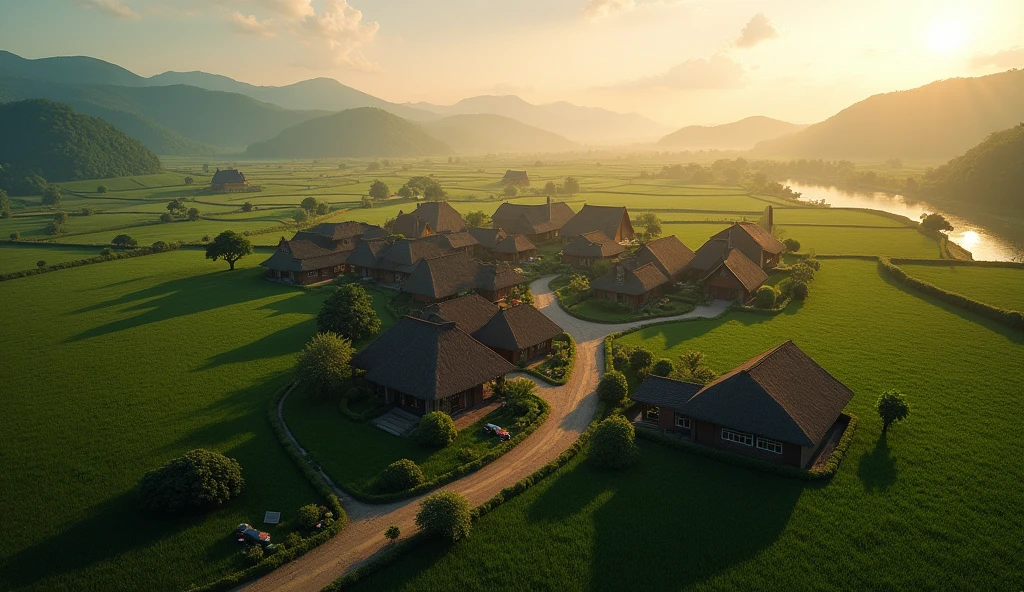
877, 469
289, 340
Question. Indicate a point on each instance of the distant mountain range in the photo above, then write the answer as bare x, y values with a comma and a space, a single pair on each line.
589, 125
935, 121
739, 135
485, 133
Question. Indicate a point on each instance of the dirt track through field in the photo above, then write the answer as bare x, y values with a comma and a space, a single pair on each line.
572, 409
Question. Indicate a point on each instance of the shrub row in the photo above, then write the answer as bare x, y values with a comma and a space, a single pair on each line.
80, 262
312, 221
568, 372
826, 472
543, 410
1011, 318
763, 311
955, 262
272, 562
360, 417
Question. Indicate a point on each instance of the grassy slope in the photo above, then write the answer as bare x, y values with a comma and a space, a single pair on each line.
996, 286
896, 242
118, 368
15, 257
932, 507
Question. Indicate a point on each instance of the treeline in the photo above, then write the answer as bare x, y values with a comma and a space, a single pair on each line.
991, 173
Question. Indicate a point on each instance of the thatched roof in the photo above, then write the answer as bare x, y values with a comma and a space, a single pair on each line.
497, 277
634, 280
227, 176
668, 254
594, 244
532, 219
440, 216
516, 243
665, 392
469, 313
454, 240
488, 237
339, 231
607, 219
444, 276
366, 253
763, 238
517, 327
411, 226
307, 251
429, 360
746, 271
515, 177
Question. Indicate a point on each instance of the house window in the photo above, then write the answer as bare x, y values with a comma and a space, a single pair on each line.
652, 412
683, 422
325, 272
737, 437
338, 269
769, 445
311, 273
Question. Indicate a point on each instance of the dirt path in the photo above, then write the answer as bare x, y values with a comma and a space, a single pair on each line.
572, 408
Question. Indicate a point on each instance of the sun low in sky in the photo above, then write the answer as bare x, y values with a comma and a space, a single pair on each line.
678, 61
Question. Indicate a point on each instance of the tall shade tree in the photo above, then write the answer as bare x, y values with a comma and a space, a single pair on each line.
651, 224
124, 241
935, 222
892, 406
348, 311
52, 196
229, 246
5, 205
477, 219
571, 186
379, 190
308, 204
324, 364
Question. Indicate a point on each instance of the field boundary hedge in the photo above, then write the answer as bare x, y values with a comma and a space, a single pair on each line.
588, 318
320, 483
829, 470
1010, 318
137, 252
568, 373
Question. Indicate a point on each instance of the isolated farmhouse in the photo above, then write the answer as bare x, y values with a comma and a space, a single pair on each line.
517, 178
228, 180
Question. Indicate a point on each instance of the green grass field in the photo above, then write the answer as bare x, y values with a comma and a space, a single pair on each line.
895, 242
1000, 287
933, 506
19, 257
111, 370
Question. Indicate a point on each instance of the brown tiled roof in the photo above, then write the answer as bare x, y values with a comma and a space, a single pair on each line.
763, 237
594, 244
488, 237
746, 271
636, 281
782, 394
515, 243
366, 253
454, 240
516, 328
665, 392
498, 276
411, 226
469, 312
441, 216
708, 255
441, 277
225, 176
428, 360
515, 176
404, 255
604, 218
307, 251
531, 219
668, 254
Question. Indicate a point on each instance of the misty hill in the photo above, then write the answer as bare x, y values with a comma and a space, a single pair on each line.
352, 133
486, 133
739, 135
580, 124
939, 120
991, 173
169, 119
40, 137
67, 69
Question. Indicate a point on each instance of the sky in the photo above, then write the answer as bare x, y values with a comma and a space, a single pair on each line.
681, 62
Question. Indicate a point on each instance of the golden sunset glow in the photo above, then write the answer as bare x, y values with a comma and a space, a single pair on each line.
946, 35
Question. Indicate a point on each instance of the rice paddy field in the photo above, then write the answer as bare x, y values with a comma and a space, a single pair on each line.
935, 505
1000, 287
111, 370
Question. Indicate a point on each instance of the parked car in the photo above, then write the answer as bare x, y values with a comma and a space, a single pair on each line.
498, 431
245, 533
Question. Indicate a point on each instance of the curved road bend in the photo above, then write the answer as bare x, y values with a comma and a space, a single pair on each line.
572, 408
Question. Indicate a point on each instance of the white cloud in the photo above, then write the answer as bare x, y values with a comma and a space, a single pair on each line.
1008, 58
250, 25
341, 29
115, 8
760, 28
596, 10
717, 72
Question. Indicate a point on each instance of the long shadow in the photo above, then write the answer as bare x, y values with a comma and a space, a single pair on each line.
276, 344
877, 469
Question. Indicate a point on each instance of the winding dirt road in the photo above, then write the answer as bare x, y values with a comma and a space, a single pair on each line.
572, 408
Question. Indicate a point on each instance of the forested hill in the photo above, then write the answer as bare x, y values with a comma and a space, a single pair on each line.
990, 174
738, 135
51, 140
934, 122
484, 133
366, 131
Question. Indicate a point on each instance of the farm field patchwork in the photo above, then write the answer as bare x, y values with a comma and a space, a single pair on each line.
998, 286
19, 257
120, 367
941, 490
895, 242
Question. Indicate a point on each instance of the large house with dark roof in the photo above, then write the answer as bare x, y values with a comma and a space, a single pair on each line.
756, 244
423, 366
668, 254
439, 278
611, 220
516, 333
319, 253
455, 241
517, 178
228, 180
734, 277
590, 247
779, 406
487, 239
630, 283
391, 263
541, 222
432, 217
411, 226
514, 248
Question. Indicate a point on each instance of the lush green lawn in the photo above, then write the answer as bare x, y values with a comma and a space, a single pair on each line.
895, 242
112, 369
602, 311
832, 216
1001, 287
933, 506
19, 257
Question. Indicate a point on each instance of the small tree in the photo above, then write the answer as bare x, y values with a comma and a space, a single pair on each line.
124, 241
445, 514
434, 192
5, 205
189, 180
571, 186
229, 246
308, 517
308, 204
801, 272
405, 192
206, 168
199, 478
792, 245
651, 224
367, 202
392, 533
108, 252
641, 359
663, 367
613, 387
193, 214
52, 196
436, 429
510, 191
176, 207
324, 364
247, 206
892, 406
373, 166
550, 188
400, 475
322, 208
477, 219
160, 247
15, 236
301, 217
88, 211
766, 297
166, 217
379, 190
613, 444
41, 263
798, 290
348, 311
935, 222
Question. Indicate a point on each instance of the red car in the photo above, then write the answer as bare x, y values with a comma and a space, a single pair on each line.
247, 534
498, 431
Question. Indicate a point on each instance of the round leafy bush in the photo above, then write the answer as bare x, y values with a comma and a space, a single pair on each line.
324, 364
348, 311
640, 359
160, 247
518, 392
41, 263
445, 514
613, 444
108, 252
792, 245
798, 290
15, 236
254, 554
308, 516
436, 429
620, 361
801, 272
813, 263
613, 387
199, 478
400, 475
662, 367
766, 296
293, 540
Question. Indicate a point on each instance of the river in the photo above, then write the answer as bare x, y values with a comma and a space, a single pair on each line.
984, 243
